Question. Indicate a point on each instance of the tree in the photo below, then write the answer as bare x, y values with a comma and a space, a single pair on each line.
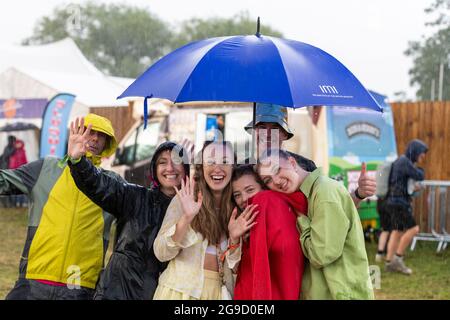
122, 40
118, 39
429, 55
240, 24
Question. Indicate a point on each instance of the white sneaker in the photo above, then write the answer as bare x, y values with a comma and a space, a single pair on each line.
379, 257
398, 265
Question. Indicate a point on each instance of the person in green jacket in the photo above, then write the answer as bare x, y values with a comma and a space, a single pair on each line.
331, 234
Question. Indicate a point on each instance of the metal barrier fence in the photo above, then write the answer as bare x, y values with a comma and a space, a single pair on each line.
432, 211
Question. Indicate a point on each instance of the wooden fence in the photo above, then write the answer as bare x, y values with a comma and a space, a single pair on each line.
120, 117
429, 122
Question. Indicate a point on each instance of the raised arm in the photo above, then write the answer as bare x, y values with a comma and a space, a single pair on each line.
106, 189
367, 186
20, 180
176, 232
415, 173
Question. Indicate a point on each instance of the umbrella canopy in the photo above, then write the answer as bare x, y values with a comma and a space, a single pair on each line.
253, 68
381, 99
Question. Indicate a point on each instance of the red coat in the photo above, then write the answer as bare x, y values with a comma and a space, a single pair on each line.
272, 261
19, 156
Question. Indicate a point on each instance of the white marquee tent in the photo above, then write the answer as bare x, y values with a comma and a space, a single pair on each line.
42, 71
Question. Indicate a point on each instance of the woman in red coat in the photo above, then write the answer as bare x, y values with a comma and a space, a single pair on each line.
17, 159
271, 266
19, 156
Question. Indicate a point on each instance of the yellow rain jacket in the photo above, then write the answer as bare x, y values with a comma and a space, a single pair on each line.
67, 233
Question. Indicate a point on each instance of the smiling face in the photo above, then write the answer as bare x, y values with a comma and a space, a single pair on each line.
244, 188
168, 173
217, 166
97, 142
280, 174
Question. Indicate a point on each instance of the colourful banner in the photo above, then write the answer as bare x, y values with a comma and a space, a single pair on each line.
54, 126
358, 135
22, 108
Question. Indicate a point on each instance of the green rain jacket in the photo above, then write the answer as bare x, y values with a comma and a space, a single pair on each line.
332, 239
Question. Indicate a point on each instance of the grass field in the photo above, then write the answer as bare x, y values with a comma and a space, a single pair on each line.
430, 280
13, 231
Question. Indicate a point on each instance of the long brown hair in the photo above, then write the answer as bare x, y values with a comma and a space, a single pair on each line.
210, 223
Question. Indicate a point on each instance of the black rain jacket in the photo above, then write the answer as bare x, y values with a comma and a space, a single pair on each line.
133, 270
403, 169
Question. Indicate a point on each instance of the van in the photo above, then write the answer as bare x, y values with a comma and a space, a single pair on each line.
135, 150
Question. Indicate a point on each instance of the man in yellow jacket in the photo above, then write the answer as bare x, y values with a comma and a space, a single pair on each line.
67, 233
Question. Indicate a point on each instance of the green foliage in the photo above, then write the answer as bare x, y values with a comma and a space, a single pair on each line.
430, 53
240, 24
123, 40
120, 40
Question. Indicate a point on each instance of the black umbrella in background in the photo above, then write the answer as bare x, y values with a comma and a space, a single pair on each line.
18, 126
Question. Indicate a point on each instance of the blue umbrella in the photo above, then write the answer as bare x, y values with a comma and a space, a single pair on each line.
252, 68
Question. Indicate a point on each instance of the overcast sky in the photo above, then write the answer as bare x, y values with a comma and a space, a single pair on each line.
368, 36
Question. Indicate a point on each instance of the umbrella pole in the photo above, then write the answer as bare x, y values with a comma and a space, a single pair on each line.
258, 34
254, 146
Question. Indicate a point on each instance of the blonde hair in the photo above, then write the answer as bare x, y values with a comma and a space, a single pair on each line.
210, 223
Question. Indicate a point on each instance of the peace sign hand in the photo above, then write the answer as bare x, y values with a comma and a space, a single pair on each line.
78, 139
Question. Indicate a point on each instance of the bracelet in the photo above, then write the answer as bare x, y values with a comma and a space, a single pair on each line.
230, 247
357, 195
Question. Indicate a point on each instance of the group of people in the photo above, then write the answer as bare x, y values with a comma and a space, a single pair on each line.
13, 157
395, 210
14, 154
274, 229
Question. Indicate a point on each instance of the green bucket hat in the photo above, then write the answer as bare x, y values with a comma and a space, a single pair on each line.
271, 113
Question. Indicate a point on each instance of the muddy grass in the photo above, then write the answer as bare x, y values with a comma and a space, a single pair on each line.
430, 278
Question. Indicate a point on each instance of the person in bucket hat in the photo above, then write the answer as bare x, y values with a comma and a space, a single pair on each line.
271, 113
273, 119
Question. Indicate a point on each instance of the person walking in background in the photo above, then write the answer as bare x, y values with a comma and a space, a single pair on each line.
386, 228
17, 159
398, 204
8, 151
